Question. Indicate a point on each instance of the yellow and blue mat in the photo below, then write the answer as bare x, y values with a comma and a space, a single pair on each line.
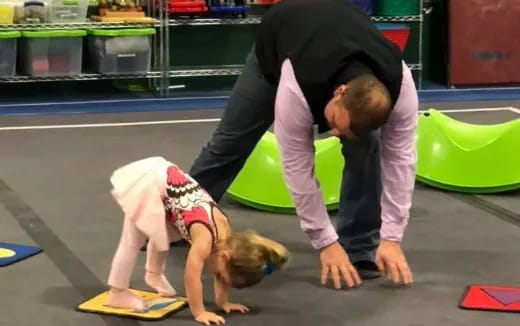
13, 253
157, 307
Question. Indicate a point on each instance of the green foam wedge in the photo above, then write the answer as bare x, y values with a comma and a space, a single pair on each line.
465, 157
260, 184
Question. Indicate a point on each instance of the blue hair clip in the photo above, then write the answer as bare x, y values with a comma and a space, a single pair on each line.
269, 268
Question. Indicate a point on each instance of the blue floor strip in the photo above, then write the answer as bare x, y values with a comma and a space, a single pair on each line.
111, 106
476, 94
206, 100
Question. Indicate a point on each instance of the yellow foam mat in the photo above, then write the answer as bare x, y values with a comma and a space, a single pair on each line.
157, 307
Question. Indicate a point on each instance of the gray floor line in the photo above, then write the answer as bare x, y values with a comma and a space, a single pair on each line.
69, 264
489, 207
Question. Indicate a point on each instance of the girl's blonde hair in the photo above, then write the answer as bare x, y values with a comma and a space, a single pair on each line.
253, 257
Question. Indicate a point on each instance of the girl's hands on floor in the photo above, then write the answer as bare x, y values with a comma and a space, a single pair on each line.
229, 307
208, 318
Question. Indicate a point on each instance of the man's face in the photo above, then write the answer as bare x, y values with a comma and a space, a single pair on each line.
337, 116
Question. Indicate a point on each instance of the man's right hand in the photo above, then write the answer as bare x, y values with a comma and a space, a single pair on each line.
334, 259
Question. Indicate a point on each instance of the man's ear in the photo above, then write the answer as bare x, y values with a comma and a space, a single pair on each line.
340, 90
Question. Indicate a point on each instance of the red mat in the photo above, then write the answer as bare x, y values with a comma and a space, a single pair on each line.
491, 297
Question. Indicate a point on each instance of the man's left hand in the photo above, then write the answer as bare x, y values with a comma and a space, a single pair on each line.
391, 260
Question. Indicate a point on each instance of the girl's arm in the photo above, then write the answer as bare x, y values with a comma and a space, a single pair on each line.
198, 253
221, 292
221, 297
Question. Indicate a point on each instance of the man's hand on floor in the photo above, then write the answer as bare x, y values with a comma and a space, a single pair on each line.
390, 259
334, 259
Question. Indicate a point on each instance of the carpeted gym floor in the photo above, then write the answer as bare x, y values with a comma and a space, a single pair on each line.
54, 193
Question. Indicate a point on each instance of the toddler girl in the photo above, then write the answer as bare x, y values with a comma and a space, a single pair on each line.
162, 204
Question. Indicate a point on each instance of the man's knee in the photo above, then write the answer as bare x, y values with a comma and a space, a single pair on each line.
222, 145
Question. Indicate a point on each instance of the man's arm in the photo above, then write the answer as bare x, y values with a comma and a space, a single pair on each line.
398, 162
293, 129
398, 179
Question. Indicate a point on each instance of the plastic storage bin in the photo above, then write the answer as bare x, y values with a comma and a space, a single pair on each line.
365, 5
68, 11
8, 53
228, 8
120, 51
51, 52
397, 33
31, 12
187, 7
6, 13
396, 7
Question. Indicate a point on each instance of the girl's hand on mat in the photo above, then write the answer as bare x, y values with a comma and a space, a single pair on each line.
334, 259
207, 318
390, 259
229, 307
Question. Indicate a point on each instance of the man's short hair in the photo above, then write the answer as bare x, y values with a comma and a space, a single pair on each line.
368, 102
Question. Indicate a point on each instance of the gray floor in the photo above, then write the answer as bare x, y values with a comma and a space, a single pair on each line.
55, 193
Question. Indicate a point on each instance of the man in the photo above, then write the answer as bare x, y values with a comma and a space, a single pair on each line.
323, 62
